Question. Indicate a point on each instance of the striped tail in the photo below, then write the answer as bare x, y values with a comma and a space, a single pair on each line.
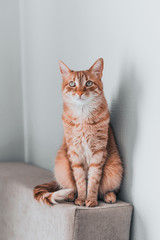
49, 193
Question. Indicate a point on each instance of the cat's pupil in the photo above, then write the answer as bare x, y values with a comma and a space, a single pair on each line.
89, 83
72, 84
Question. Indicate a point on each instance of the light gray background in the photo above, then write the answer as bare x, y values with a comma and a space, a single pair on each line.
34, 35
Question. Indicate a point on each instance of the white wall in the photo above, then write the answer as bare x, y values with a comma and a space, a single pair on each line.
50, 30
126, 34
11, 118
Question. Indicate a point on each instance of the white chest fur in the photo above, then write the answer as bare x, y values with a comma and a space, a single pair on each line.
81, 133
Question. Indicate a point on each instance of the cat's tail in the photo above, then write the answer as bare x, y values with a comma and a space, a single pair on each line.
49, 193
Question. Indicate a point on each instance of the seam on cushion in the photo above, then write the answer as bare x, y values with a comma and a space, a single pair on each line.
73, 237
93, 209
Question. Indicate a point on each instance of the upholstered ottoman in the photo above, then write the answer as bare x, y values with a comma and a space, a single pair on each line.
22, 218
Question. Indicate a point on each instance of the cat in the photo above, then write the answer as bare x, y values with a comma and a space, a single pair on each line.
88, 164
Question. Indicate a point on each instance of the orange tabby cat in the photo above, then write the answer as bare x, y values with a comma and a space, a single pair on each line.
87, 164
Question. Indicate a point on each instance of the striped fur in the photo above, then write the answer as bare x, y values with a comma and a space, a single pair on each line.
88, 162
49, 193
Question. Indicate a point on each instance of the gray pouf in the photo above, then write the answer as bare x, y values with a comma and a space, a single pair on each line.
22, 218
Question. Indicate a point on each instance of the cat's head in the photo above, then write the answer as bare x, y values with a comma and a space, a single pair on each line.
81, 87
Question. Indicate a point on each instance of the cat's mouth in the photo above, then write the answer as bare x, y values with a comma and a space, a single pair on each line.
80, 100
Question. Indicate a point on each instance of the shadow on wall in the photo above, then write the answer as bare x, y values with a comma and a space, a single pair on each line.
124, 119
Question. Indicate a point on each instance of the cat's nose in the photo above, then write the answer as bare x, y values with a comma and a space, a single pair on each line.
80, 93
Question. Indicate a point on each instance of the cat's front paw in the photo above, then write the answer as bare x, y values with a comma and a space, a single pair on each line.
80, 202
91, 203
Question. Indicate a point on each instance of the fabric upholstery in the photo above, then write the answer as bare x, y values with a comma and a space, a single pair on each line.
22, 218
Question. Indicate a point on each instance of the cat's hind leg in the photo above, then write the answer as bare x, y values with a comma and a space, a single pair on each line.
110, 197
111, 178
63, 173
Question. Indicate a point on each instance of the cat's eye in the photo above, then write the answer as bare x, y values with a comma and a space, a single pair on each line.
72, 84
89, 83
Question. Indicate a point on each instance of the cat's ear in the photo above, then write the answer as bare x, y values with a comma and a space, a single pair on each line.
97, 67
64, 69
